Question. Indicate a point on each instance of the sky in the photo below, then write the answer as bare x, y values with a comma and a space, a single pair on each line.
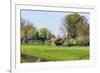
48, 19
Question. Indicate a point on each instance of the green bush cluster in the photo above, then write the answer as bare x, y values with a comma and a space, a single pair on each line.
59, 41
79, 41
70, 42
83, 41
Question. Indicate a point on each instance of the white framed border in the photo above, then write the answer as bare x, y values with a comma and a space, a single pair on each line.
16, 66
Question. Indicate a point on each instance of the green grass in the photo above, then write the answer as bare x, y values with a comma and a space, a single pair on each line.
54, 53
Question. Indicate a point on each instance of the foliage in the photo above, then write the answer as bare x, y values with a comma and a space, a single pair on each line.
83, 41
59, 41
44, 32
77, 28
70, 24
75, 25
27, 32
30, 33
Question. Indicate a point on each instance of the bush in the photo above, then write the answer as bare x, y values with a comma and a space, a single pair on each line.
70, 42
59, 41
82, 41
79, 41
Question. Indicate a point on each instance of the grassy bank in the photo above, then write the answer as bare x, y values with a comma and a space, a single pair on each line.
53, 53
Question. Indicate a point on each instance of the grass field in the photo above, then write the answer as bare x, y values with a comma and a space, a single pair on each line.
31, 53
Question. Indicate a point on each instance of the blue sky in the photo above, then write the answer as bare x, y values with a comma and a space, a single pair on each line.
46, 19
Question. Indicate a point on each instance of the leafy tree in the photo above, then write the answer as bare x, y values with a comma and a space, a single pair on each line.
82, 27
76, 26
70, 24
27, 32
45, 33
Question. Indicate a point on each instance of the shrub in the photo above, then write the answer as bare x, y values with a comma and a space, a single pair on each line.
70, 42
79, 41
82, 41
59, 41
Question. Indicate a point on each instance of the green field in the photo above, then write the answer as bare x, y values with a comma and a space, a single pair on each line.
33, 53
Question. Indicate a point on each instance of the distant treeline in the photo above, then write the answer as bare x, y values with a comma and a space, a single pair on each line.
75, 25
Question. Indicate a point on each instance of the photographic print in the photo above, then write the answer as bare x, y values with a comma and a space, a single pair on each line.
47, 36
51, 36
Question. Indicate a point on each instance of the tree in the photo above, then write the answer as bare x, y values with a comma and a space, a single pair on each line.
45, 34
82, 27
76, 26
70, 24
27, 32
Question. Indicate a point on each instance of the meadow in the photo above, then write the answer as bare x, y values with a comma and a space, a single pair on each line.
41, 53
